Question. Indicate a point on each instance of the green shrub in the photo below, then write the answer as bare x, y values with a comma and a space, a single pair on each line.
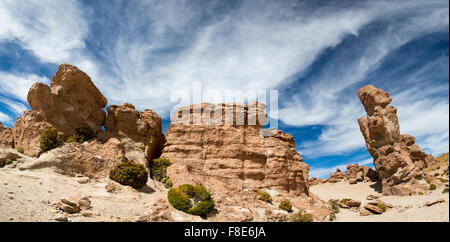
302, 217
345, 200
49, 140
159, 171
443, 180
333, 181
420, 193
286, 205
445, 190
432, 187
82, 134
436, 174
129, 174
382, 206
20, 149
195, 200
264, 196
8, 162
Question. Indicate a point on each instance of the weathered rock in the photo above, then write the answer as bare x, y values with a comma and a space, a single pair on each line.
428, 204
71, 101
91, 159
397, 160
6, 138
352, 181
364, 212
356, 173
353, 203
373, 208
83, 180
233, 157
373, 197
141, 127
337, 176
27, 132
68, 206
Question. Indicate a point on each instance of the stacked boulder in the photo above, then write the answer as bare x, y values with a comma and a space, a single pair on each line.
398, 161
356, 173
71, 102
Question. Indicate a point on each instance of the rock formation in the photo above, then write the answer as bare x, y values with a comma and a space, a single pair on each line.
27, 131
71, 101
398, 161
222, 148
356, 173
124, 122
233, 157
6, 139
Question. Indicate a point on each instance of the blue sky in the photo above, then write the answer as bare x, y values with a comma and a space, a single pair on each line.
316, 53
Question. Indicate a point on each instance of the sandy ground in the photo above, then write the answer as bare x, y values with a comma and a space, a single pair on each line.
30, 196
406, 208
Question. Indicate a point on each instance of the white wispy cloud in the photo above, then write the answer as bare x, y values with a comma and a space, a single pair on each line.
4, 118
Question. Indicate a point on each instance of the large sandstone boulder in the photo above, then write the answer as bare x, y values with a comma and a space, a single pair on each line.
71, 101
232, 157
124, 122
27, 131
92, 159
6, 139
398, 161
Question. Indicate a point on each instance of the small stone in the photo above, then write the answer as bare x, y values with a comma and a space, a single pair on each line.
61, 218
83, 180
86, 214
353, 203
364, 212
374, 209
428, 204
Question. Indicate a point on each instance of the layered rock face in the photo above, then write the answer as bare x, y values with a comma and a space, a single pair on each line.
397, 159
232, 157
229, 155
141, 127
6, 139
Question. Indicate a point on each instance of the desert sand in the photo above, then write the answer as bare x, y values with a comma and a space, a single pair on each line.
406, 208
32, 196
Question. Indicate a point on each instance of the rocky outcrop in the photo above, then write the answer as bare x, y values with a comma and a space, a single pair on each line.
27, 131
92, 159
124, 122
398, 161
356, 173
232, 157
6, 139
337, 176
71, 101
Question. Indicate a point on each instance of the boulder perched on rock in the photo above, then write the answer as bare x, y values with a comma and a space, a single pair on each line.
337, 176
124, 122
71, 101
6, 139
398, 161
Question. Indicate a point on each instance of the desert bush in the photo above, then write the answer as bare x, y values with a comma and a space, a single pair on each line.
285, 205
443, 180
345, 200
82, 134
382, 206
8, 162
264, 196
159, 171
20, 149
420, 193
445, 190
436, 174
195, 200
302, 217
432, 187
129, 174
49, 140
